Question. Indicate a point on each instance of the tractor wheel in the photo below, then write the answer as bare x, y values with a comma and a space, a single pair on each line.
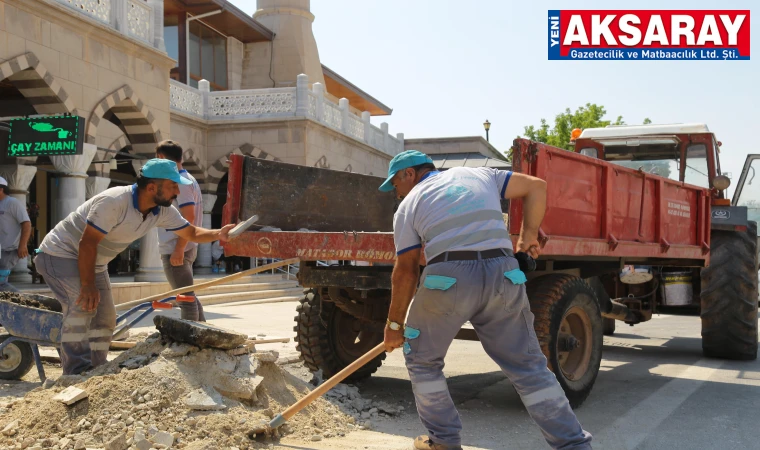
16, 359
608, 326
329, 339
569, 328
729, 296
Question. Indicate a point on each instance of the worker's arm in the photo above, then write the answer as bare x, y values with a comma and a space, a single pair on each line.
203, 235
26, 231
406, 273
178, 256
89, 296
532, 191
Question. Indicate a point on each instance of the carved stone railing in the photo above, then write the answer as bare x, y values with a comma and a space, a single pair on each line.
253, 102
283, 102
134, 18
185, 98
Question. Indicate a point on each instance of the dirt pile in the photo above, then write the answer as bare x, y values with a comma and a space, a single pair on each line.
163, 394
24, 300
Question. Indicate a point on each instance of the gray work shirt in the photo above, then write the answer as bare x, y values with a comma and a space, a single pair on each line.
114, 213
188, 195
12, 215
459, 209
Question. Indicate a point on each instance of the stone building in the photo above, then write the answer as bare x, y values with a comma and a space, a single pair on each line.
200, 72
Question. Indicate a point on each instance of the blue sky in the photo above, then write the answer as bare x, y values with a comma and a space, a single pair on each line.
445, 66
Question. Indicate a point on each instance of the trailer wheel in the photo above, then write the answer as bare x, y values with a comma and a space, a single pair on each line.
16, 359
729, 296
329, 339
568, 324
608, 326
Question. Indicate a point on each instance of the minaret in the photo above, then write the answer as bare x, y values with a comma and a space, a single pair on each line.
294, 47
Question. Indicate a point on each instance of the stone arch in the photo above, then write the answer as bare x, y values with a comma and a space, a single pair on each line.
37, 84
194, 165
124, 108
121, 143
219, 168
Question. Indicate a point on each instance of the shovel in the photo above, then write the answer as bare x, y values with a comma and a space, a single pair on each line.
283, 417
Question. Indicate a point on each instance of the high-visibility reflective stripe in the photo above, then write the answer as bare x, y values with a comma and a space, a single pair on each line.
550, 393
466, 239
78, 321
99, 346
459, 222
73, 337
102, 332
429, 387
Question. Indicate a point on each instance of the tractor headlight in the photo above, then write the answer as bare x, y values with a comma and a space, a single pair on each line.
721, 182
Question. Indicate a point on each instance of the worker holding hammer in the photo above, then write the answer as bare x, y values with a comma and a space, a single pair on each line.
471, 275
74, 256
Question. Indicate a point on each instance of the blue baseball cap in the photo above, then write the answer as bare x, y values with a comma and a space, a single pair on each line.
403, 160
163, 169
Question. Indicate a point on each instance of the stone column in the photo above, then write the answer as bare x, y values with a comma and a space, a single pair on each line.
19, 178
96, 185
72, 191
204, 260
158, 24
150, 268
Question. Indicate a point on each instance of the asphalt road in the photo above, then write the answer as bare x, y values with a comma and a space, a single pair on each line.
655, 391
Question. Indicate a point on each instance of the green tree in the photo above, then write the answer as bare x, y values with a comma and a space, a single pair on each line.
589, 116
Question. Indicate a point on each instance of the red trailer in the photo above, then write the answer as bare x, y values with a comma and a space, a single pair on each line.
625, 235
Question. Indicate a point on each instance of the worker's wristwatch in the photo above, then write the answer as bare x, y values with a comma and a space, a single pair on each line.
393, 325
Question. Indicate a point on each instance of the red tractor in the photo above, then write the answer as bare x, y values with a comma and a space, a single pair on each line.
637, 223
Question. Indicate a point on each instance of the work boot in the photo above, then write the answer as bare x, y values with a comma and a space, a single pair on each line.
425, 443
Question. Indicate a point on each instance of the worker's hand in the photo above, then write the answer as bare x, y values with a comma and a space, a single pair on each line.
89, 297
177, 258
224, 234
393, 339
22, 252
529, 245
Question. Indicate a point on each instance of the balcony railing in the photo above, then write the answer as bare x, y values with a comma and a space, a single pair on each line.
134, 18
296, 101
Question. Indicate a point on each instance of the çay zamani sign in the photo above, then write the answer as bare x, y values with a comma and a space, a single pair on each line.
52, 135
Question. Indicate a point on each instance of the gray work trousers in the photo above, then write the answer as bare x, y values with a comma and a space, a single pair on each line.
454, 292
8, 260
181, 276
86, 335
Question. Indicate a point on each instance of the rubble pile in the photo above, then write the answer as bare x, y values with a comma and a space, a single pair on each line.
361, 409
163, 394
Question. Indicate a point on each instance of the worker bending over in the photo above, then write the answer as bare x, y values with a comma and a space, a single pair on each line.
74, 256
471, 275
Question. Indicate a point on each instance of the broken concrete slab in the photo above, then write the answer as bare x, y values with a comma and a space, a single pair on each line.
117, 443
204, 399
11, 428
163, 438
200, 334
71, 395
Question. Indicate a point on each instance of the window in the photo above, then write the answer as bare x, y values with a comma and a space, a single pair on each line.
696, 166
171, 37
208, 56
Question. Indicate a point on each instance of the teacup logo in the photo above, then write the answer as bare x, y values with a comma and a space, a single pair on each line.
45, 127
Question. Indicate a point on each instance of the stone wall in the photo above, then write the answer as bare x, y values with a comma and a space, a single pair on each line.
467, 144
88, 60
235, 50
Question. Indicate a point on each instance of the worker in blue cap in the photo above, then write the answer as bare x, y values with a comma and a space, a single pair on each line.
471, 276
73, 258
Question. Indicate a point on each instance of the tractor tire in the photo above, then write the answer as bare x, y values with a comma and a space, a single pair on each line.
608, 326
729, 296
16, 359
327, 338
567, 304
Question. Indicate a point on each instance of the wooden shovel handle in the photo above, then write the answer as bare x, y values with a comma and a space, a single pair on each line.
199, 286
337, 378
